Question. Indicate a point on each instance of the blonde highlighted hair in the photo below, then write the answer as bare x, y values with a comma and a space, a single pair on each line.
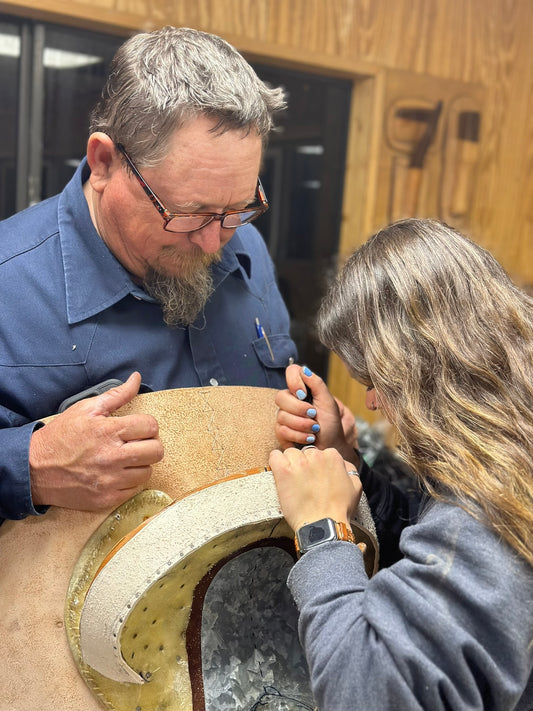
432, 320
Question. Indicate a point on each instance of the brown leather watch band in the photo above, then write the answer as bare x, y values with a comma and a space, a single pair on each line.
344, 532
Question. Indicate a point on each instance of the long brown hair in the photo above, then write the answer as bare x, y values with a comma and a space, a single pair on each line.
435, 324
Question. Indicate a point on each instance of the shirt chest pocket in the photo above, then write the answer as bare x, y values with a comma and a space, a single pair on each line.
275, 353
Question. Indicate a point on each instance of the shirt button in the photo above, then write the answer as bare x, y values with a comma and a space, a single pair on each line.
213, 381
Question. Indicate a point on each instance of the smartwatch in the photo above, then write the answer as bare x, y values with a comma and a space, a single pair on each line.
314, 534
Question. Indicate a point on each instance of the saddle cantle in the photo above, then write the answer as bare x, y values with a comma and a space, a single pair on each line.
177, 599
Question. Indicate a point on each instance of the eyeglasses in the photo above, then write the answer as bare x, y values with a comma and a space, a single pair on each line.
185, 222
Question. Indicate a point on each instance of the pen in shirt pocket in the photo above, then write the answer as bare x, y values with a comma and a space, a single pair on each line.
262, 334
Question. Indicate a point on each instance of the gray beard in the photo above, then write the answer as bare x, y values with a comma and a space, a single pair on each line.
182, 298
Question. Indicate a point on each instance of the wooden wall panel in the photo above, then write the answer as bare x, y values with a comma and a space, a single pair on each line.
482, 43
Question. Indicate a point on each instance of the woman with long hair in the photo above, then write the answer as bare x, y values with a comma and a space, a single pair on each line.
431, 324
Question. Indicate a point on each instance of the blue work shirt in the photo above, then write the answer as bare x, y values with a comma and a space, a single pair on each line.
72, 317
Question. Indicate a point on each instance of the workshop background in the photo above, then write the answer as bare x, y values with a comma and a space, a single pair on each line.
397, 108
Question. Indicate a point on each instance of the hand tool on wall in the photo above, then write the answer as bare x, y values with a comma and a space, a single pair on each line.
411, 128
417, 157
466, 157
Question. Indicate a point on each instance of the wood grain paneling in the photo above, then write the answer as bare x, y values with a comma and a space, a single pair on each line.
482, 43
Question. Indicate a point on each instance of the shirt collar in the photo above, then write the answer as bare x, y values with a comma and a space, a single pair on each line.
94, 278
235, 257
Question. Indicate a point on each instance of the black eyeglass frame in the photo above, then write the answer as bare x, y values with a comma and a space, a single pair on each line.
168, 216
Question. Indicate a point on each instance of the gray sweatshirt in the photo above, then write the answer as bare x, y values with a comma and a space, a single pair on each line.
447, 628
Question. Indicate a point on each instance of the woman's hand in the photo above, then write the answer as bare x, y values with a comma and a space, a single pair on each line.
349, 426
314, 484
323, 421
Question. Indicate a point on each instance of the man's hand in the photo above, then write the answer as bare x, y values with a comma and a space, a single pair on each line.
85, 459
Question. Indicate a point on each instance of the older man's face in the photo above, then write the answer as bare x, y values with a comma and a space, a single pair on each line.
202, 172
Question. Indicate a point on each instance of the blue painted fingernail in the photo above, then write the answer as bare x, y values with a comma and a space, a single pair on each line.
315, 428
310, 439
307, 371
301, 395
311, 412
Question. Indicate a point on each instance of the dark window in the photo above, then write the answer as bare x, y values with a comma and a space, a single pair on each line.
75, 72
303, 175
50, 77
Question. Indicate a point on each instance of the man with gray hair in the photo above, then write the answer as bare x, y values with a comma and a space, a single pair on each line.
145, 266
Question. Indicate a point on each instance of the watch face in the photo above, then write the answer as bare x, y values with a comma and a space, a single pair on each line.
313, 534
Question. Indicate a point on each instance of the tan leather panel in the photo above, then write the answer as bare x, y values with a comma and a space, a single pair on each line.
208, 433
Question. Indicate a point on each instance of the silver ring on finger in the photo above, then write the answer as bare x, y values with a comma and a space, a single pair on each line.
354, 472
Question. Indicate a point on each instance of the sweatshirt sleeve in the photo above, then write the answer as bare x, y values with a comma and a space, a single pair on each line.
444, 628
393, 507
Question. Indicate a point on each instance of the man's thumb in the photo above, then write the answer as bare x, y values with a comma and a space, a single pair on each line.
108, 402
